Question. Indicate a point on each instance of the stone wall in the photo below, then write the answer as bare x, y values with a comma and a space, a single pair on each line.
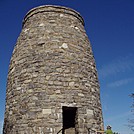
52, 66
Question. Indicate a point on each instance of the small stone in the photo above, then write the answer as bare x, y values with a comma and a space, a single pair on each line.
72, 26
80, 94
57, 92
90, 112
27, 81
10, 112
41, 24
47, 77
57, 83
59, 70
76, 28
67, 71
64, 45
61, 15
88, 85
25, 30
50, 82
34, 98
18, 88
12, 70
71, 84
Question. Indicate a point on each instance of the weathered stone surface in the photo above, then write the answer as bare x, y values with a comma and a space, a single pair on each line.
52, 67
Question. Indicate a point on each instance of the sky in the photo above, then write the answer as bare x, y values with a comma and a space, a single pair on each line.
110, 27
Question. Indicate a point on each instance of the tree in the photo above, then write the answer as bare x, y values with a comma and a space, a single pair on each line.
131, 121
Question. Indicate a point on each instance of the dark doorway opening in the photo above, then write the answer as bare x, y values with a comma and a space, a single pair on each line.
69, 117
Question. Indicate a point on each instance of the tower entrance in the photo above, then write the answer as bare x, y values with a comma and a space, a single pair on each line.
69, 120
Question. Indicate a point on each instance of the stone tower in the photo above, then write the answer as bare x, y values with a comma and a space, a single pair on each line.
52, 83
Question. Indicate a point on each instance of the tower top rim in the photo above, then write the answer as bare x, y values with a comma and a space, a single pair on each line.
53, 8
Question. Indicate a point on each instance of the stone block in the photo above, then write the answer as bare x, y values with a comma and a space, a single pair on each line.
90, 112
71, 84
46, 111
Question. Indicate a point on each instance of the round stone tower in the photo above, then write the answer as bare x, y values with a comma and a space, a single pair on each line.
52, 83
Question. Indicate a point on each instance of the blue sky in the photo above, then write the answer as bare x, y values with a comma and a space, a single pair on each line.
110, 27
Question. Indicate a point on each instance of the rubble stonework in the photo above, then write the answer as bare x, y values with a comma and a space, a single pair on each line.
52, 73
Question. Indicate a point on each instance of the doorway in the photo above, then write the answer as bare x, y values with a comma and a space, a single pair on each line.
69, 120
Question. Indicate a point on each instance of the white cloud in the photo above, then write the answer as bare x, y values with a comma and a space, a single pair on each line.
119, 65
1, 127
120, 82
